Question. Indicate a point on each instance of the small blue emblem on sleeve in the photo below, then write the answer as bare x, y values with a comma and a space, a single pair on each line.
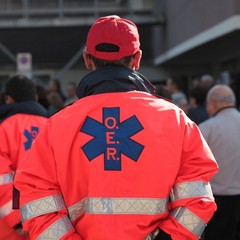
30, 136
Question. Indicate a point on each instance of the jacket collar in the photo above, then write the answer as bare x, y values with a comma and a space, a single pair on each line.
220, 110
27, 107
113, 79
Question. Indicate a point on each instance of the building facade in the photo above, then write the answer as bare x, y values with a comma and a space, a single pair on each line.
178, 37
200, 37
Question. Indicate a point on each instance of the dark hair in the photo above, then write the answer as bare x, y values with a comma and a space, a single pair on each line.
57, 83
42, 96
2, 98
72, 83
199, 93
125, 61
59, 90
106, 47
21, 88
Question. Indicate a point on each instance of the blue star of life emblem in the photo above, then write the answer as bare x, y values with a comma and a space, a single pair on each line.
30, 136
112, 138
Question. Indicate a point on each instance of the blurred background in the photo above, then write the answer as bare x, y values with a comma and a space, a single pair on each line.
183, 39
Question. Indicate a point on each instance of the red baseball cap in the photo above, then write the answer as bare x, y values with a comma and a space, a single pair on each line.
113, 30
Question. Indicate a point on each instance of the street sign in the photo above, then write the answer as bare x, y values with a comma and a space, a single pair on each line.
24, 64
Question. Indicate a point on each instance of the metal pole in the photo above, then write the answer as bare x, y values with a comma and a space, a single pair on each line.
8, 52
130, 7
61, 8
25, 4
70, 63
96, 8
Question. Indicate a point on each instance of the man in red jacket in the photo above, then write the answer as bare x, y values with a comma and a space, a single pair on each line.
20, 121
119, 163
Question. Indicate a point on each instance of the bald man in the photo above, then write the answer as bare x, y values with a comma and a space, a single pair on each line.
222, 133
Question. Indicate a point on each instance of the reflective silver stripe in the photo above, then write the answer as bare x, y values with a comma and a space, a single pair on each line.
189, 220
57, 230
6, 178
42, 206
6, 209
190, 189
118, 206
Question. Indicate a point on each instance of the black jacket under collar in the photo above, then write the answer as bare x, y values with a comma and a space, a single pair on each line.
113, 79
27, 107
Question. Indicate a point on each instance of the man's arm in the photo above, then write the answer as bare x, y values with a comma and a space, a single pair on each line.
43, 209
10, 216
192, 202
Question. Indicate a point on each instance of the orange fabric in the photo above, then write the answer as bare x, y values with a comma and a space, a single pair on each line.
13, 218
8, 233
16, 135
171, 150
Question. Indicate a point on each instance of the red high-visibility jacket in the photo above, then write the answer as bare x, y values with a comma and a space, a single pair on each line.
17, 131
117, 166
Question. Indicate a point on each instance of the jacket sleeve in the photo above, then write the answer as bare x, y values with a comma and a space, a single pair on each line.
191, 201
42, 206
10, 216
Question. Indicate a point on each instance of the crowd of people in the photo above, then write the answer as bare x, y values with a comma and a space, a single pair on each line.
202, 104
192, 99
214, 107
52, 97
120, 162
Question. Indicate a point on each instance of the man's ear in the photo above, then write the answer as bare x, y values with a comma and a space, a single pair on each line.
136, 60
87, 60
